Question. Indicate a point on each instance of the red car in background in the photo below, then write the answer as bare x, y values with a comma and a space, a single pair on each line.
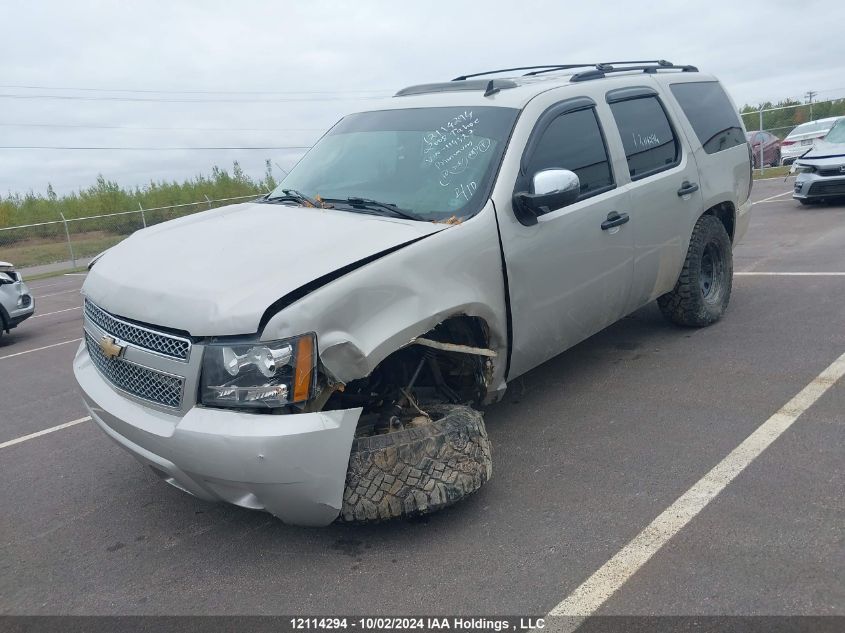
771, 148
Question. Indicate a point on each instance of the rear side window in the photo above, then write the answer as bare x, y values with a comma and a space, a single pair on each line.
647, 136
574, 141
711, 115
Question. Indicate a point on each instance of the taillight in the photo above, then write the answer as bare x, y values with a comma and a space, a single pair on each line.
788, 143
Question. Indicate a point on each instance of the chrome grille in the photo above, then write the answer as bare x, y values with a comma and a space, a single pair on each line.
166, 344
145, 383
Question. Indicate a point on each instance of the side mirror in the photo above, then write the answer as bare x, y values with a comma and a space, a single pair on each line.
552, 190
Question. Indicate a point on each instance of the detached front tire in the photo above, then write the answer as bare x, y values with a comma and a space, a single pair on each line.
417, 470
703, 290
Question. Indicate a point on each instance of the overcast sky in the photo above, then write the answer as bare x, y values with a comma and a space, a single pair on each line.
307, 64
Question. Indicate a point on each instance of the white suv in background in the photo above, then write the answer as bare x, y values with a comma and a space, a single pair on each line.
16, 304
325, 351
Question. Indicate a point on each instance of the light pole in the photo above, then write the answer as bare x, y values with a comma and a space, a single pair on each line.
810, 94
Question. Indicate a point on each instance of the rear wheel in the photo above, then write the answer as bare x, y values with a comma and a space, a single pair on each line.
703, 290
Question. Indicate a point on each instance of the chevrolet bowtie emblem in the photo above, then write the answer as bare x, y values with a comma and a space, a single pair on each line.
110, 348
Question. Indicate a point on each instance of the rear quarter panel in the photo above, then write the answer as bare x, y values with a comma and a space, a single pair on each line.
723, 176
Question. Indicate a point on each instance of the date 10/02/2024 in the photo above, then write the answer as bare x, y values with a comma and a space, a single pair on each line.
417, 623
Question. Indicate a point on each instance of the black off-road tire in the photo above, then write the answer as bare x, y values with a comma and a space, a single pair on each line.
417, 470
703, 290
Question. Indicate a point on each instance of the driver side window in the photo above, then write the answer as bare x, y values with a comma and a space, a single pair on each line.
574, 141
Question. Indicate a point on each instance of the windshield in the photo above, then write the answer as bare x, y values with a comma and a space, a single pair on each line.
434, 162
837, 133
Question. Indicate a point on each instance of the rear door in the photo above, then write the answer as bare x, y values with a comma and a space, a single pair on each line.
664, 190
711, 123
568, 276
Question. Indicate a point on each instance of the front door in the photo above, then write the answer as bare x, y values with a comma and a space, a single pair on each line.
568, 276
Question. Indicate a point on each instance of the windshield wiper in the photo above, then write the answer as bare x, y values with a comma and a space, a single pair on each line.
374, 205
292, 195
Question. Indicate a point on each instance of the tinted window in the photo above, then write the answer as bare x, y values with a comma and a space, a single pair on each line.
647, 137
574, 141
711, 115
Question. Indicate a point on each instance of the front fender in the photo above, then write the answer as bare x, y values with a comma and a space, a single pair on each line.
369, 313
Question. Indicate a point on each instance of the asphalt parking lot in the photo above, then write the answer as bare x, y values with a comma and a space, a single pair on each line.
588, 449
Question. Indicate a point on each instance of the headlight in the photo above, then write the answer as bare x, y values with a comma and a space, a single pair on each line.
803, 169
259, 375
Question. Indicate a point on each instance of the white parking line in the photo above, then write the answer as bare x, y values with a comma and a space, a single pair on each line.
56, 294
38, 349
779, 195
599, 587
24, 438
37, 316
33, 286
765, 274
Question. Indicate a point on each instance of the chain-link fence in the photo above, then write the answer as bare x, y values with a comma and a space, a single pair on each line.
773, 148
74, 240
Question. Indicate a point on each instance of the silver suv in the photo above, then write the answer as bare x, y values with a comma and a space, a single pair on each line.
16, 304
324, 351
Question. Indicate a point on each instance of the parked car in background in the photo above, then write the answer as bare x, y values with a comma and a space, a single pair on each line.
821, 171
16, 303
801, 139
770, 146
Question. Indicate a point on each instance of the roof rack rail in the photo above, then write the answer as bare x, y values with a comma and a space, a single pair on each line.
640, 64
550, 67
659, 62
492, 86
601, 70
489, 86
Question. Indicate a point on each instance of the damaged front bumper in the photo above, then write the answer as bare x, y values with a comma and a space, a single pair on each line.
293, 466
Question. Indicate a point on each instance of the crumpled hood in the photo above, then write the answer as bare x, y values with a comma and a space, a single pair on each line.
215, 273
822, 150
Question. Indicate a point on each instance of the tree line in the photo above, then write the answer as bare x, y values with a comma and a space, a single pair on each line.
781, 122
107, 196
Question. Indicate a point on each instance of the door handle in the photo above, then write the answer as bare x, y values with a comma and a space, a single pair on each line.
614, 219
687, 188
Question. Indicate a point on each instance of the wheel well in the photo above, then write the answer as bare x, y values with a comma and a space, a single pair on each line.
428, 375
727, 215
